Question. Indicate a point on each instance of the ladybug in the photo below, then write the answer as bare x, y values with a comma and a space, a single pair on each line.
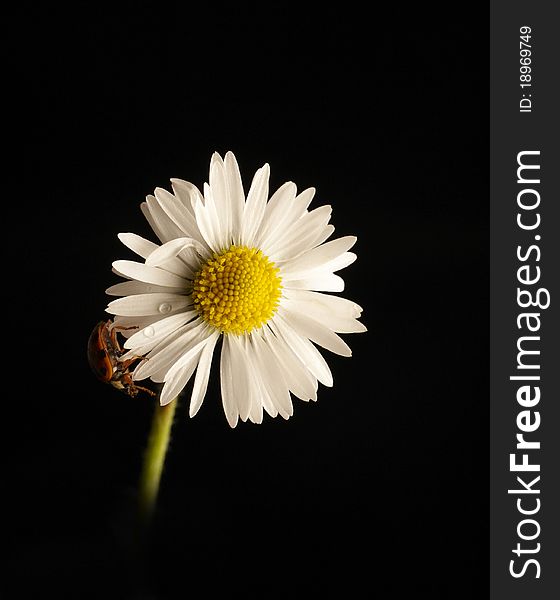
103, 353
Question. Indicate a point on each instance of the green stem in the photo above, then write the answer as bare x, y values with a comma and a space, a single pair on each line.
154, 458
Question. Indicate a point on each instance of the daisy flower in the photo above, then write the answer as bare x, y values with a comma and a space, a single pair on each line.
247, 270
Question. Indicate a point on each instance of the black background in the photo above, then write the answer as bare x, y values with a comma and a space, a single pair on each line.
380, 488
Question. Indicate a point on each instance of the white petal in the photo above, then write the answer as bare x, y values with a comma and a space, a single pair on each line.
137, 244
255, 205
323, 273
272, 378
315, 331
341, 306
304, 245
128, 326
205, 224
170, 357
258, 391
298, 378
256, 412
324, 235
319, 312
148, 304
236, 195
294, 209
217, 180
269, 407
180, 373
130, 288
302, 236
320, 282
257, 372
167, 351
179, 214
318, 257
160, 221
182, 193
242, 387
148, 274
306, 352
303, 200
172, 388
202, 374
177, 266
218, 222
221, 198
187, 193
226, 383
313, 222
151, 221
338, 263
154, 333
276, 213
165, 332
168, 251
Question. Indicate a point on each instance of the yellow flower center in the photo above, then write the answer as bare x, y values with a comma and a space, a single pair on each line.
237, 290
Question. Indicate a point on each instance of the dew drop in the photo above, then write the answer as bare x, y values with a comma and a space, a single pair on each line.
164, 308
149, 331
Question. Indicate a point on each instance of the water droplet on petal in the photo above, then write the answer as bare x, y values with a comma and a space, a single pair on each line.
164, 308
149, 331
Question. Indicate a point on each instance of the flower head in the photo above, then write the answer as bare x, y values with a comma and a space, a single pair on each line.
249, 270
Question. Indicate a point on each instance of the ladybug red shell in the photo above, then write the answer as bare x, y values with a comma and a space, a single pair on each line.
104, 352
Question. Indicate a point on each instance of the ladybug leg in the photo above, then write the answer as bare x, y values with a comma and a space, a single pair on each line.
114, 340
145, 389
114, 329
127, 363
133, 388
